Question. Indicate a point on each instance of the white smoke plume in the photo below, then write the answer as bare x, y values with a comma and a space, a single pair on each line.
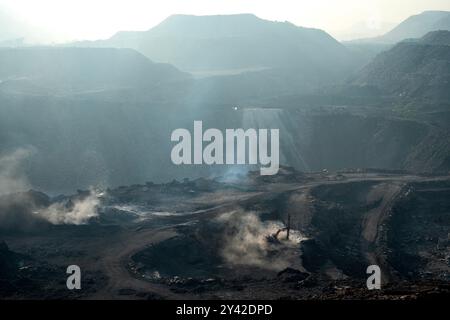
13, 179
246, 242
12, 176
79, 212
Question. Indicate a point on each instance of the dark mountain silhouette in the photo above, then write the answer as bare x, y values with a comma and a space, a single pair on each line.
416, 69
440, 37
242, 56
224, 42
104, 116
81, 69
415, 26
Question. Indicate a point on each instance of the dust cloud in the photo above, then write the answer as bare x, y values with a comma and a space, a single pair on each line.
76, 212
246, 241
12, 174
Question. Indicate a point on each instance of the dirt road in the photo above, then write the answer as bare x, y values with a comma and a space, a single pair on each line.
114, 259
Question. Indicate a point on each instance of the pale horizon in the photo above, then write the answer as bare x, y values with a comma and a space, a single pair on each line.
60, 21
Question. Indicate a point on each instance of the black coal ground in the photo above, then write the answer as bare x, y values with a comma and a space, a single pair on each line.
173, 240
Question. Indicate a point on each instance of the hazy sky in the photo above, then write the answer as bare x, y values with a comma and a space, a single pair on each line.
94, 19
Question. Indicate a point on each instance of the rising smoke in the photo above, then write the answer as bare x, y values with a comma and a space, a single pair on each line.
246, 242
77, 212
12, 173
19, 207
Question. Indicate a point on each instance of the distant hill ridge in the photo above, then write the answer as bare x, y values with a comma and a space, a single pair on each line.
416, 69
415, 26
217, 26
241, 41
83, 67
440, 37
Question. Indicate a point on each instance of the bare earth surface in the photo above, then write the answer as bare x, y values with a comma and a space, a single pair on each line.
215, 239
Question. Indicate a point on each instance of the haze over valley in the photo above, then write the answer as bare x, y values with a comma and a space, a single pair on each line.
85, 128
